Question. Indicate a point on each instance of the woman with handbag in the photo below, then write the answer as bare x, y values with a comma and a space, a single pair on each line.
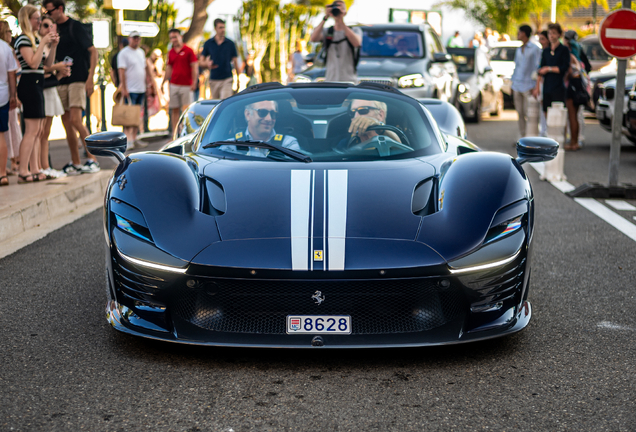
52, 102
30, 53
576, 94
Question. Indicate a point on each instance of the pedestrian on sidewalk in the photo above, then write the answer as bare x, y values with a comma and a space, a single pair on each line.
133, 70
114, 70
341, 44
543, 124
182, 73
30, 53
219, 54
13, 136
76, 49
52, 103
8, 98
527, 60
555, 62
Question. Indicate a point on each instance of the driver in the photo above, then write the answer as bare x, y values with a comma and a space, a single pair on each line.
261, 118
366, 113
403, 49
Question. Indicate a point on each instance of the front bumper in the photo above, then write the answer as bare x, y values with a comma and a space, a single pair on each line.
604, 115
405, 307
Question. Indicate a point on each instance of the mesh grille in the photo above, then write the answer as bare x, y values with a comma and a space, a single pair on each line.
384, 81
375, 307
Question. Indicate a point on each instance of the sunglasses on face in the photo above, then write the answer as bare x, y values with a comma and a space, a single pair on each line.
46, 25
262, 113
361, 110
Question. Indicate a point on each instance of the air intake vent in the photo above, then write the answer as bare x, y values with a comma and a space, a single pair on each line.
422, 203
214, 202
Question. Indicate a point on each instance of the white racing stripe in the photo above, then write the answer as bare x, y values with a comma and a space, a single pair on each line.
337, 214
300, 202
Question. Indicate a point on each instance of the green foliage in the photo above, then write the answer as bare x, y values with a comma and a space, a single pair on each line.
503, 15
268, 31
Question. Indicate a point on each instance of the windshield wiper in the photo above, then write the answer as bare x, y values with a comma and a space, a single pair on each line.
262, 144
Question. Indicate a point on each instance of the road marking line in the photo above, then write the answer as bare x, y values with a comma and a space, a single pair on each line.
617, 221
620, 205
612, 326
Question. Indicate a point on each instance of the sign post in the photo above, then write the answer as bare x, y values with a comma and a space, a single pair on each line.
617, 35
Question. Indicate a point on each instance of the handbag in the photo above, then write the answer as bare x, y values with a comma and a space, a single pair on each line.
577, 92
126, 114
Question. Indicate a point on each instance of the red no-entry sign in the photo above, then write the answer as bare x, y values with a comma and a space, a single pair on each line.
618, 34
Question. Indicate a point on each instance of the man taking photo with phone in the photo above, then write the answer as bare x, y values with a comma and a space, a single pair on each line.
340, 43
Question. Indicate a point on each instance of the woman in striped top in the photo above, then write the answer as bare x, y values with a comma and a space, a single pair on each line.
31, 87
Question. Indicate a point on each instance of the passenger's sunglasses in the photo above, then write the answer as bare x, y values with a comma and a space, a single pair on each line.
262, 113
361, 111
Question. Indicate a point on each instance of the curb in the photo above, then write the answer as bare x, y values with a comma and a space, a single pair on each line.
46, 203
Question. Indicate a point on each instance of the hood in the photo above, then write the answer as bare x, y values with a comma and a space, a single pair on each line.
278, 215
389, 67
503, 68
356, 200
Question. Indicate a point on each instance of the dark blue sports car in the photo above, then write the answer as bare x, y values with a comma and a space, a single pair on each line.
319, 215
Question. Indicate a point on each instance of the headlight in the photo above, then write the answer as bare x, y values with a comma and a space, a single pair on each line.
133, 228
463, 88
302, 79
129, 219
413, 80
502, 244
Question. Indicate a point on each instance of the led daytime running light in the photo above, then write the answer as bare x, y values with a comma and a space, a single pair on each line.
153, 265
485, 266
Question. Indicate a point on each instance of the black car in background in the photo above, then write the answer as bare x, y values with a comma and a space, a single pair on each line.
408, 57
630, 118
479, 90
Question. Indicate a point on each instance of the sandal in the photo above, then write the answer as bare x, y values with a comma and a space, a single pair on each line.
39, 176
23, 179
4, 183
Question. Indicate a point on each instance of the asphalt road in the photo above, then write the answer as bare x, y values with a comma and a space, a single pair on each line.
573, 368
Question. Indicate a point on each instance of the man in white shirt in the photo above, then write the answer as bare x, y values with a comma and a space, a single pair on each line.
524, 77
132, 65
8, 99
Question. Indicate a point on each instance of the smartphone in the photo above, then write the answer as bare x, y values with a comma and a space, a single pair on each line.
68, 60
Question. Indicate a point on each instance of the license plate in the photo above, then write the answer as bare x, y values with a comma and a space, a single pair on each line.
315, 324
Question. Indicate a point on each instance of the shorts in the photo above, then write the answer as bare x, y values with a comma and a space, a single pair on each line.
31, 94
221, 89
4, 117
72, 95
136, 98
180, 96
557, 95
52, 103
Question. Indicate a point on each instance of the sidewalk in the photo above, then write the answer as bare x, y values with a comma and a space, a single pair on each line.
29, 212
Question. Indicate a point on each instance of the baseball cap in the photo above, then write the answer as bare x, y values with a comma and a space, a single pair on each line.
570, 34
133, 34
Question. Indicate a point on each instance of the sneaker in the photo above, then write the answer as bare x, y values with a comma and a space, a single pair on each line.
90, 167
70, 169
55, 173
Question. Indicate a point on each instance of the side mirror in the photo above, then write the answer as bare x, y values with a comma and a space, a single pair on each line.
536, 149
441, 57
107, 144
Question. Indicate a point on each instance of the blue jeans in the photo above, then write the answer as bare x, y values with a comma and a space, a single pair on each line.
137, 98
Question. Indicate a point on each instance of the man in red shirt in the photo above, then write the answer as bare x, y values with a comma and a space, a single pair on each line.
182, 71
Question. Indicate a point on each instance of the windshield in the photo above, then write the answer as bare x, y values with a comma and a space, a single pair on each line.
594, 52
326, 124
388, 43
503, 54
464, 62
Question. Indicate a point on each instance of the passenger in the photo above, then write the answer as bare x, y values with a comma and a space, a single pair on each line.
261, 118
366, 113
403, 49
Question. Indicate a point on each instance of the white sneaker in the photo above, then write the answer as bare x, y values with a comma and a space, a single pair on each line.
70, 169
53, 173
90, 167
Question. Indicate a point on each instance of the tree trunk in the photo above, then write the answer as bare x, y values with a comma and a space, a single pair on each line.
199, 16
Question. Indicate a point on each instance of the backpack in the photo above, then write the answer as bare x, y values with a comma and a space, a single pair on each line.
322, 56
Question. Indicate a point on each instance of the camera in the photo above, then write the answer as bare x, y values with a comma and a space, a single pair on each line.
335, 11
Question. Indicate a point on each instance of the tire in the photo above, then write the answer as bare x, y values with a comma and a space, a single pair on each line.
499, 105
477, 115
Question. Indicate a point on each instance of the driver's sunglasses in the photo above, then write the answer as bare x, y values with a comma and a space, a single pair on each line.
262, 113
361, 111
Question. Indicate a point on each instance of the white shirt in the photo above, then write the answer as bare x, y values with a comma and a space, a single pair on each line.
7, 64
133, 61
